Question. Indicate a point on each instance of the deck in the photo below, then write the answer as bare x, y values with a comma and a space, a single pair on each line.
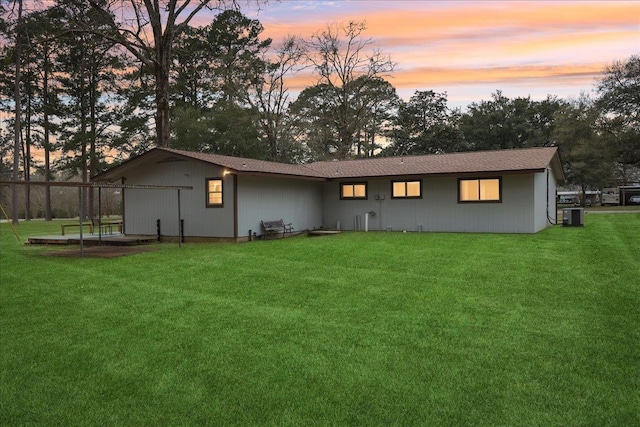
115, 239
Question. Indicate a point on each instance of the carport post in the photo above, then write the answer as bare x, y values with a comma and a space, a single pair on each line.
80, 215
179, 218
99, 215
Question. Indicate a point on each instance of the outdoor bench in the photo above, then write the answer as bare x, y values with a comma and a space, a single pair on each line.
276, 227
106, 225
63, 226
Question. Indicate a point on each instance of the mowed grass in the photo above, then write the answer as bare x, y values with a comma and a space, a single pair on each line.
353, 329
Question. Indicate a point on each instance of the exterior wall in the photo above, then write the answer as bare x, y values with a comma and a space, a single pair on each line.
545, 200
144, 207
267, 199
438, 209
527, 201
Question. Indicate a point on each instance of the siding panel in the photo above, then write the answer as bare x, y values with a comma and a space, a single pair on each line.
144, 207
263, 198
545, 196
438, 209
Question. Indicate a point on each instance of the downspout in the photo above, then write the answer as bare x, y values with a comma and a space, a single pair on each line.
547, 196
99, 215
235, 207
180, 230
124, 223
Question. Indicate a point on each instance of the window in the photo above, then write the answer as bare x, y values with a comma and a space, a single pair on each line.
214, 192
480, 190
353, 190
406, 189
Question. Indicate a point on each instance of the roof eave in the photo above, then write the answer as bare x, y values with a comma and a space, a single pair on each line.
277, 175
556, 167
115, 173
462, 174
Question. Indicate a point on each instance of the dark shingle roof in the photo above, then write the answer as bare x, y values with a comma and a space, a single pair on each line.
516, 160
241, 164
471, 162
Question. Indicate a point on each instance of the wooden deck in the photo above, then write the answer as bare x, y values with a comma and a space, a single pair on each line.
115, 239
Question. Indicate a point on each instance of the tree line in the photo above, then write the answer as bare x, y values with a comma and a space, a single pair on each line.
91, 86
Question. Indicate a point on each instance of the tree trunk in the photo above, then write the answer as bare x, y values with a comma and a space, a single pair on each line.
93, 79
18, 112
162, 96
47, 148
83, 141
27, 157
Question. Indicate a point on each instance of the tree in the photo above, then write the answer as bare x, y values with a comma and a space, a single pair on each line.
192, 86
619, 101
588, 161
620, 91
234, 132
6, 168
379, 102
150, 38
216, 66
218, 62
269, 96
236, 54
425, 125
344, 66
18, 110
312, 119
503, 123
46, 63
36, 29
39, 98
134, 109
88, 62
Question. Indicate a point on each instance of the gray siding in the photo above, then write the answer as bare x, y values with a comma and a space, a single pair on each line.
144, 207
545, 196
437, 210
527, 200
264, 198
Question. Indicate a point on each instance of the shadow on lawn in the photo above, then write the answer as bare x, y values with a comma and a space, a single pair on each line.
101, 252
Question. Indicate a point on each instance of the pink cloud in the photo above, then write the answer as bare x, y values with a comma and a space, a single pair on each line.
556, 46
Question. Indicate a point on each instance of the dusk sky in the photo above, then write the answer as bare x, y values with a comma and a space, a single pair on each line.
470, 49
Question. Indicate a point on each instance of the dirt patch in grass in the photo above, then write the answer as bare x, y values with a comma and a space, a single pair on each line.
101, 251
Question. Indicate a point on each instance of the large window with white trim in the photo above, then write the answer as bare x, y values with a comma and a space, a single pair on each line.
479, 190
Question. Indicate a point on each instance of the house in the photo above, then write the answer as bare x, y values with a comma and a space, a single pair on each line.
504, 191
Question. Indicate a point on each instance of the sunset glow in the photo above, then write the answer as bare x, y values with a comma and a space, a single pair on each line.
470, 49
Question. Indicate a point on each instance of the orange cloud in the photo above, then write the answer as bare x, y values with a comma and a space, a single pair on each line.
419, 77
536, 45
418, 22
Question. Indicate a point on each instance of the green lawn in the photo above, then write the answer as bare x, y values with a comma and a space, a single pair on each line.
353, 329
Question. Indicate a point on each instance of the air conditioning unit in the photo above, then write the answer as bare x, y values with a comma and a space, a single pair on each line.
573, 217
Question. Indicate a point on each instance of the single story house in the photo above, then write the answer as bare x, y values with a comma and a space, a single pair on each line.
503, 191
